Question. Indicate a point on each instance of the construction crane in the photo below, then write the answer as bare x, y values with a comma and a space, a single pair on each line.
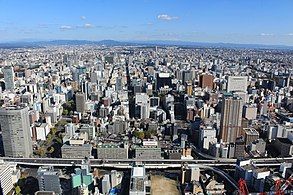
288, 182
281, 189
277, 189
243, 190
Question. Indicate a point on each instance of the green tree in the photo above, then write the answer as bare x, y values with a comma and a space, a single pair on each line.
62, 123
148, 134
139, 134
51, 149
59, 140
49, 138
41, 152
65, 112
53, 130
17, 190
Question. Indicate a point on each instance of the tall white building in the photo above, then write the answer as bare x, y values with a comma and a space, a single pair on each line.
137, 181
207, 136
106, 186
8, 77
6, 183
142, 105
15, 126
237, 83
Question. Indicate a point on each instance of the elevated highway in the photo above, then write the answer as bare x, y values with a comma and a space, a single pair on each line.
149, 163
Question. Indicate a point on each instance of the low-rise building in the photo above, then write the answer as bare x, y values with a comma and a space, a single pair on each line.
40, 131
76, 151
112, 151
148, 153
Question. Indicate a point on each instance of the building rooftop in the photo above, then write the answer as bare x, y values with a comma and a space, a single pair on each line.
138, 172
250, 131
285, 140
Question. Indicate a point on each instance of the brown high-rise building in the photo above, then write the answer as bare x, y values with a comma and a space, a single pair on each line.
206, 81
188, 87
250, 135
190, 114
231, 118
239, 148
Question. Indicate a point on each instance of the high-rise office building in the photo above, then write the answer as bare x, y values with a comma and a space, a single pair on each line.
142, 105
106, 186
206, 81
250, 135
85, 88
237, 83
8, 77
154, 101
6, 184
114, 178
118, 84
188, 88
231, 118
15, 126
80, 99
163, 79
239, 148
250, 112
48, 179
187, 76
137, 181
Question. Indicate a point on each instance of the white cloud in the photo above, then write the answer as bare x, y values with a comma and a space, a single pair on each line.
88, 25
289, 34
166, 17
66, 27
82, 17
266, 34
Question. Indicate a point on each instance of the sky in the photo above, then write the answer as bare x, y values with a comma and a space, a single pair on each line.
226, 21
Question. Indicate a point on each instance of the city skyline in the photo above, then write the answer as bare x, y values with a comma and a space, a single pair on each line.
110, 97
247, 22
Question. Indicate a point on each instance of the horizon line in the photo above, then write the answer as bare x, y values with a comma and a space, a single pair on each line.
171, 42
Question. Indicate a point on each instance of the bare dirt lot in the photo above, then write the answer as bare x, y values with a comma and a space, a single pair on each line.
161, 185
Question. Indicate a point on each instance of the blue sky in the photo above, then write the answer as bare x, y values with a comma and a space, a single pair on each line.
233, 21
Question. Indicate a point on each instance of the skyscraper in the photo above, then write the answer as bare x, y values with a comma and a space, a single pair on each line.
142, 105
6, 184
8, 77
118, 84
231, 117
188, 88
237, 83
15, 126
163, 79
106, 184
80, 99
206, 81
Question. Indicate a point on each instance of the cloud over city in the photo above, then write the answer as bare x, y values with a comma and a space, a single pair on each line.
166, 17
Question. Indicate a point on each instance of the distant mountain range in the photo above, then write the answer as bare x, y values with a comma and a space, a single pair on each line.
32, 43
